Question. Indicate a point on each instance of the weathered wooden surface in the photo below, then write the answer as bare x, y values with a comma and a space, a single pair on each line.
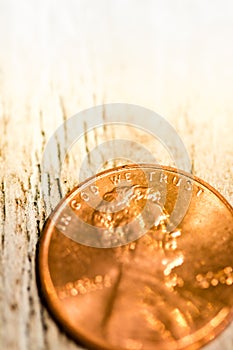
58, 58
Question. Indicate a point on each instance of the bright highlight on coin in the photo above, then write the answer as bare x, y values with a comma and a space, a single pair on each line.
169, 287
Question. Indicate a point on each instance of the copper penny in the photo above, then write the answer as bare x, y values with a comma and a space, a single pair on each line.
123, 266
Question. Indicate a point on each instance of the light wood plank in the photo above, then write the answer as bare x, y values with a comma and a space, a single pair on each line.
58, 58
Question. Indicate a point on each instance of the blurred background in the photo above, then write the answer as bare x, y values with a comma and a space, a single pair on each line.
150, 52
174, 57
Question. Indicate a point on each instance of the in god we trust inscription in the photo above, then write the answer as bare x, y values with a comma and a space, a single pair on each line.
122, 268
129, 151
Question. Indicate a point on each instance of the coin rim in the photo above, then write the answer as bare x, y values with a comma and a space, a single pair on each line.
48, 290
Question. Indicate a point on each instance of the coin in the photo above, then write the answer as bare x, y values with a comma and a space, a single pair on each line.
145, 278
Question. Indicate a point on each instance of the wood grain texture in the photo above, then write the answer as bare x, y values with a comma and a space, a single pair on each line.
58, 58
